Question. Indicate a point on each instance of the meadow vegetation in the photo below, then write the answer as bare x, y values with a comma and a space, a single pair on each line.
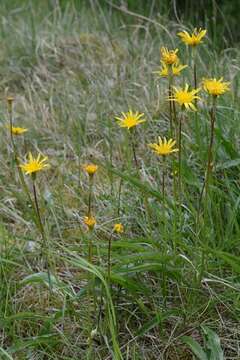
120, 222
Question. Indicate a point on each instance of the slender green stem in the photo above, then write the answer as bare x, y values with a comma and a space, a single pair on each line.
91, 296
210, 148
180, 155
10, 113
132, 133
171, 107
90, 249
109, 258
90, 195
175, 210
195, 76
194, 60
206, 183
119, 197
163, 177
210, 154
175, 118
196, 120
42, 231
37, 209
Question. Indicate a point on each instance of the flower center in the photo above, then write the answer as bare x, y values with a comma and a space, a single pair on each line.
184, 97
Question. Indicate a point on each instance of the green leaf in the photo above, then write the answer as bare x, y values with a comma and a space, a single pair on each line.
83, 264
129, 284
156, 320
34, 342
10, 262
195, 347
4, 355
232, 260
133, 180
227, 144
24, 316
228, 164
213, 344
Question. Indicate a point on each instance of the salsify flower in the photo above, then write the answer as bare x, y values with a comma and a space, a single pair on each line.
174, 70
90, 169
90, 221
130, 119
192, 39
118, 228
17, 130
177, 68
185, 97
33, 165
164, 147
215, 87
169, 57
163, 70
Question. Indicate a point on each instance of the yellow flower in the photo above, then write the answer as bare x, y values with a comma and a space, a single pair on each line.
34, 165
17, 130
118, 228
215, 87
163, 71
175, 69
90, 221
90, 169
164, 147
192, 39
169, 57
130, 119
184, 97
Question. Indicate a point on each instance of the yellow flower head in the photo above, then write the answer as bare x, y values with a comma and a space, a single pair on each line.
118, 228
184, 97
192, 39
17, 130
130, 119
175, 69
215, 87
169, 57
33, 165
90, 169
164, 147
163, 71
90, 221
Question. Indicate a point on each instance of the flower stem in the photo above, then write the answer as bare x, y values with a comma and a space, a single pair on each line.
10, 114
90, 249
195, 76
180, 155
194, 69
42, 231
171, 108
134, 149
109, 258
210, 148
210, 154
90, 195
163, 177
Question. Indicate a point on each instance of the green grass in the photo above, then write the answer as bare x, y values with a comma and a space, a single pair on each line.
72, 69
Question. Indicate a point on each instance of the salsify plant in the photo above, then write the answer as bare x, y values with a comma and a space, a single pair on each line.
32, 166
130, 120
